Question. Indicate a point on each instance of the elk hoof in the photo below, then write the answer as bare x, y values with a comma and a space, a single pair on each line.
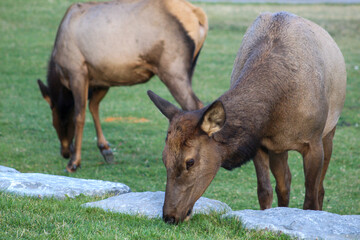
107, 153
72, 168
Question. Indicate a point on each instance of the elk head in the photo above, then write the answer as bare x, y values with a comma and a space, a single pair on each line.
62, 108
191, 155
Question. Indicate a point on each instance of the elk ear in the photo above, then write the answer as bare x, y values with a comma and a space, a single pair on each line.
213, 118
44, 91
166, 108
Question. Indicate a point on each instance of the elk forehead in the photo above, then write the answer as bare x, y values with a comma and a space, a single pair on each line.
182, 129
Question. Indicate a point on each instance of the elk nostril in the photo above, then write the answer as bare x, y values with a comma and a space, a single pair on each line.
189, 212
169, 220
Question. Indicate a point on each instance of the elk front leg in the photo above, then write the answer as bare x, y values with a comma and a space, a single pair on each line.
264, 189
313, 162
79, 86
183, 94
97, 95
177, 79
281, 171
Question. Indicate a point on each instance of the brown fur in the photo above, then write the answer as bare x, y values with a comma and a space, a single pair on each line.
287, 91
119, 43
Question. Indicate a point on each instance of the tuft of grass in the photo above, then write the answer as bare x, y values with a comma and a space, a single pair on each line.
29, 143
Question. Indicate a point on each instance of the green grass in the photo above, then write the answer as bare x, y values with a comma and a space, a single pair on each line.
29, 143
53, 219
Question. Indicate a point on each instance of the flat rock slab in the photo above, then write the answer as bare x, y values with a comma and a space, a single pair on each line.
8, 169
150, 204
303, 224
60, 187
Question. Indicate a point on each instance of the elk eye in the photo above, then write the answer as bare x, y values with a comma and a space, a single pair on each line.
189, 163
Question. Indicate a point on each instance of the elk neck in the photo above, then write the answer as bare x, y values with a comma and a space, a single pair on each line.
249, 104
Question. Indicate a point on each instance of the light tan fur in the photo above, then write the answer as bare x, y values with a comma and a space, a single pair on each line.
193, 19
123, 65
122, 43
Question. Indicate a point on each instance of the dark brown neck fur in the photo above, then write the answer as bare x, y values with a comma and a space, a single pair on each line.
61, 97
250, 103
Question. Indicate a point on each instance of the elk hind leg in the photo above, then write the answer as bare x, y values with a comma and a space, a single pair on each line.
97, 95
313, 156
328, 145
281, 171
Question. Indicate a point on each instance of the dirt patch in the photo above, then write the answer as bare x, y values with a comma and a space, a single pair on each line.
126, 119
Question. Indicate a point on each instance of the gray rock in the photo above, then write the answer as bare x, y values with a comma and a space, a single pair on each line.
150, 204
46, 185
304, 224
8, 169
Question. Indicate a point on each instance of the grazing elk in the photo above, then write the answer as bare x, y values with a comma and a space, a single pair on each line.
119, 43
287, 91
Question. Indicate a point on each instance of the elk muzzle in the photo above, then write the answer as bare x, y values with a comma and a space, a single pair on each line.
174, 219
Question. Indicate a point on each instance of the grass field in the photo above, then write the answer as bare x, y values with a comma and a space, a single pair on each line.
29, 143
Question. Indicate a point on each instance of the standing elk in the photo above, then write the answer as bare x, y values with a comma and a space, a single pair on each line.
119, 43
287, 92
